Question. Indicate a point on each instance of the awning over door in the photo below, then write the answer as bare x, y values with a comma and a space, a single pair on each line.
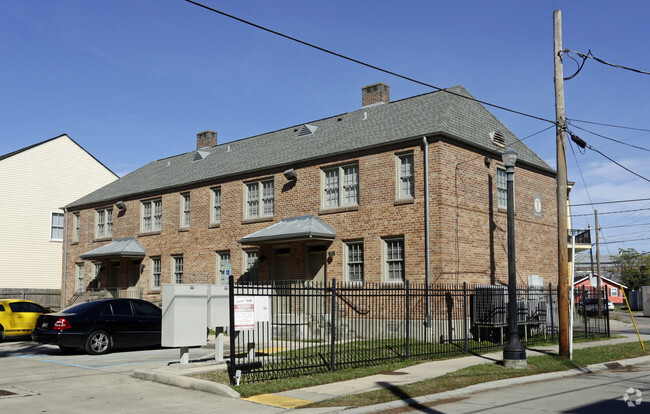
292, 229
127, 247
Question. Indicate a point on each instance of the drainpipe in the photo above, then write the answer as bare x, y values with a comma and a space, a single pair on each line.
65, 255
427, 249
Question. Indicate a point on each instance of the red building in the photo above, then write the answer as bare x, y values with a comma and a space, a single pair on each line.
614, 289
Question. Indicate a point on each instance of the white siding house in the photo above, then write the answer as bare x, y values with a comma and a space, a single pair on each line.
36, 182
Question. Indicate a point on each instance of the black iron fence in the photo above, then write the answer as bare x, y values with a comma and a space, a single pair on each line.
299, 327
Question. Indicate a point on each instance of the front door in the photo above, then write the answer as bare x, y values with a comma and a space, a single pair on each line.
315, 266
281, 264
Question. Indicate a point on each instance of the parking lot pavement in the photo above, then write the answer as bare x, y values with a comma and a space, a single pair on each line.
37, 378
125, 361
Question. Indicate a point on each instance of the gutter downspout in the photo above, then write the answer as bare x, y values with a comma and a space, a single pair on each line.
427, 248
65, 256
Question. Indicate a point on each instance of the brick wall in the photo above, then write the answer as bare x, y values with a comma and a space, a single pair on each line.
468, 231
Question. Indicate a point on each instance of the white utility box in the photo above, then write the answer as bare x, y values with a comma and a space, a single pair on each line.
218, 306
646, 300
184, 315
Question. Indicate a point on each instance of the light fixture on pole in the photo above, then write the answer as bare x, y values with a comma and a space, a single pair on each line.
514, 354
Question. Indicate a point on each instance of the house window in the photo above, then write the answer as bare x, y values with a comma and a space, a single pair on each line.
75, 227
155, 273
56, 227
151, 216
185, 210
613, 291
502, 189
216, 206
79, 285
104, 220
252, 266
177, 269
405, 179
223, 266
259, 199
354, 261
394, 260
341, 192
97, 268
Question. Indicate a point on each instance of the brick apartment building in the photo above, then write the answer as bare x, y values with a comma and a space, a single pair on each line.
350, 197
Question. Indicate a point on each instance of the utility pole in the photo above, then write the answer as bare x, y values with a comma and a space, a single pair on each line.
562, 233
599, 284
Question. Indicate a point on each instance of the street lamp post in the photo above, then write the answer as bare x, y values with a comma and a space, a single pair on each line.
514, 354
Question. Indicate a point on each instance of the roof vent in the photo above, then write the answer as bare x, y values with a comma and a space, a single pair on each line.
307, 130
497, 139
200, 155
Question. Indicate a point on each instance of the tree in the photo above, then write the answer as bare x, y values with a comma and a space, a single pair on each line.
632, 268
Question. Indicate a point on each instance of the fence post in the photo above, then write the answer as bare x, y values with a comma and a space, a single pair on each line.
408, 321
584, 311
607, 306
552, 311
231, 303
465, 325
333, 326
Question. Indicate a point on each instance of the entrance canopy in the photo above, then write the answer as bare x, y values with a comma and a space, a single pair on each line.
291, 229
127, 247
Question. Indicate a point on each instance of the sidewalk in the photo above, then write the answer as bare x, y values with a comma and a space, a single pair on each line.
178, 375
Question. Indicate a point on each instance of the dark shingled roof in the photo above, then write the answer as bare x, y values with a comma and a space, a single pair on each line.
435, 113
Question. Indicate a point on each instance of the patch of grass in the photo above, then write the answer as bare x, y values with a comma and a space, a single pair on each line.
454, 380
489, 372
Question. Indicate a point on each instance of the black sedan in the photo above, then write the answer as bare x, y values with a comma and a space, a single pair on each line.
101, 326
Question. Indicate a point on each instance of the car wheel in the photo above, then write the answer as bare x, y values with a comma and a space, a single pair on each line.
98, 342
67, 348
2, 333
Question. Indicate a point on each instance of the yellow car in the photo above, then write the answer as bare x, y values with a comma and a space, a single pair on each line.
18, 317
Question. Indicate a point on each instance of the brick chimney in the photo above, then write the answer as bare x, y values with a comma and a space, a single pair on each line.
373, 94
206, 139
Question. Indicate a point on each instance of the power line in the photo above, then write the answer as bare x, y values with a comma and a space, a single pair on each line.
611, 212
589, 55
612, 139
610, 202
608, 125
582, 144
366, 64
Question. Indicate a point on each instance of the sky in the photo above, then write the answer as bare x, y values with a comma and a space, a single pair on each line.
134, 81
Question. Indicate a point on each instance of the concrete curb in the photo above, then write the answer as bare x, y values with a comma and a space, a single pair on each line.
487, 386
180, 380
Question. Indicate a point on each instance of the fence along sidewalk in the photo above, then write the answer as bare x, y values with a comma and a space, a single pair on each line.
313, 327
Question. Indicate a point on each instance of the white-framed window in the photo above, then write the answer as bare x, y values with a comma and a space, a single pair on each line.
185, 210
104, 222
394, 259
613, 291
341, 186
215, 216
354, 261
151, 216
177, 269
75, 227
223, 268
405, 180
155, 272
79, 273
502, 189
251, 265
259, 199
56, 227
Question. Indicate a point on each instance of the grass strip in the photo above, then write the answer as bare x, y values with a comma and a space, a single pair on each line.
489, 372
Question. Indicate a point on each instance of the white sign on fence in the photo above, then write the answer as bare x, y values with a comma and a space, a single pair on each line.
244, 313
261, 308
